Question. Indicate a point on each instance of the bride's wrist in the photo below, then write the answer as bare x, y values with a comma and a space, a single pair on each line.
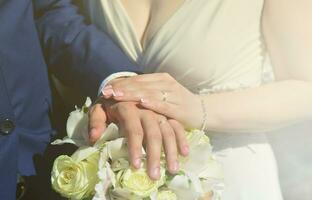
195, 114
205, 118
211, 109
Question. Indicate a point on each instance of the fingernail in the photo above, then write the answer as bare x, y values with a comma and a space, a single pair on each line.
118, 94
155, 173
185, 149
137, 163
108, 92
175, 166
108, 87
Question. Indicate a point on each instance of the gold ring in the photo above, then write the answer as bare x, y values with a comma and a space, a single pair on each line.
164, 96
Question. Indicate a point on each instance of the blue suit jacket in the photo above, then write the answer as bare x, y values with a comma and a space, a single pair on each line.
77, 53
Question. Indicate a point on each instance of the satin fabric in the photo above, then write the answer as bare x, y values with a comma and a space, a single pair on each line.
209, 46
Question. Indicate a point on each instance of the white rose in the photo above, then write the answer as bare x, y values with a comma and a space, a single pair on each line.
75, 180
138, 181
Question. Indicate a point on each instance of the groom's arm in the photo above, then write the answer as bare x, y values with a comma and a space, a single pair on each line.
84, 56
77, 53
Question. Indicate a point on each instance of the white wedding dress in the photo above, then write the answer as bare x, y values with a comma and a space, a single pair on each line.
209, 46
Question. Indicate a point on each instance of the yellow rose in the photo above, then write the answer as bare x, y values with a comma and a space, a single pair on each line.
138, 182
75, 180
166, 195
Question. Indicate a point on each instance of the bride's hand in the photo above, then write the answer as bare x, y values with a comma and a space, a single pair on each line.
161, 93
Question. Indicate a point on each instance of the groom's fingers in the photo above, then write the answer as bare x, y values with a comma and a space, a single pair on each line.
153, 140
97, 122
130, 125
180, 137
170, 145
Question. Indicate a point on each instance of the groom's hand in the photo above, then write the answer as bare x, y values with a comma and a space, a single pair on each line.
142, 126
97, 122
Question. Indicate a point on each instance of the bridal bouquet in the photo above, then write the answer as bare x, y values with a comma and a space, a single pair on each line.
103, 171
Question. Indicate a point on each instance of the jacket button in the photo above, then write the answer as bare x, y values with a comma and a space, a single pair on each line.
6, 126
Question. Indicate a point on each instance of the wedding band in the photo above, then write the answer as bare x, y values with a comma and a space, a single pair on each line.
164, 95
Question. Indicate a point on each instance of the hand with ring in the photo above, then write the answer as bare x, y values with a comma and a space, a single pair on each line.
161, 93
142, 127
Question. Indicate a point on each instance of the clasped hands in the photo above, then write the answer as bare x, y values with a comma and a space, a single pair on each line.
152, 111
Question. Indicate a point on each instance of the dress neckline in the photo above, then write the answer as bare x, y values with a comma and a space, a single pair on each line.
143, 47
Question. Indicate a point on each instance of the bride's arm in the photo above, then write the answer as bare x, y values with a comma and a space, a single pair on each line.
260, 109
288, 35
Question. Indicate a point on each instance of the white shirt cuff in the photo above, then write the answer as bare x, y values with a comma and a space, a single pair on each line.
114, 76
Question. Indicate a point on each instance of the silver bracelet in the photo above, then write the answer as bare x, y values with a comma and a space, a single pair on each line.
205, 115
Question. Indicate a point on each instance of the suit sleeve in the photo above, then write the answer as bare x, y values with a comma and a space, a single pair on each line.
78, 53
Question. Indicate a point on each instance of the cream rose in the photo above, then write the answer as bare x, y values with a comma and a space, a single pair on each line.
75, 180
138, 182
